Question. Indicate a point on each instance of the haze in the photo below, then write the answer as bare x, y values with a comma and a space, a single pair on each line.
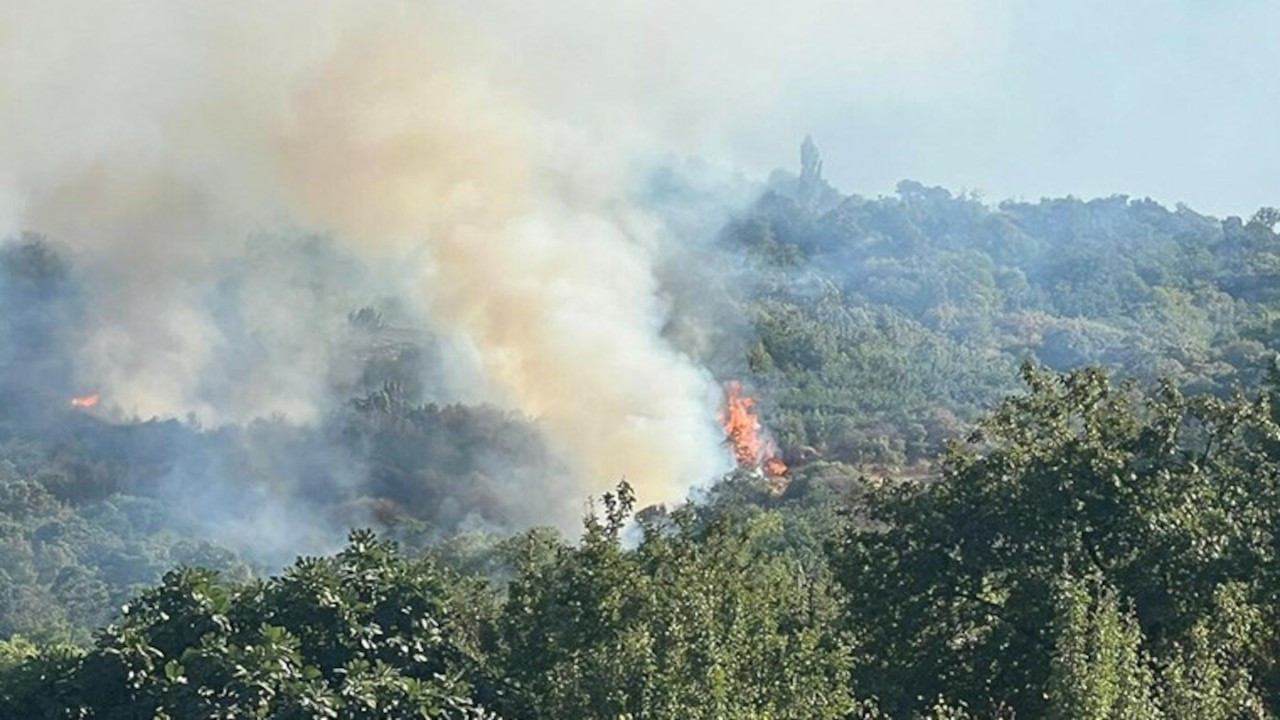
1172, 100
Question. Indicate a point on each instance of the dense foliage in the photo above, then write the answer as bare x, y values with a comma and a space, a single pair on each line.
695, 621
94, 508
363, 634
885, 325
1088, 535
1092, 551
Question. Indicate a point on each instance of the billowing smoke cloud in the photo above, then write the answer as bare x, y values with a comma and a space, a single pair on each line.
476, 160
167, 142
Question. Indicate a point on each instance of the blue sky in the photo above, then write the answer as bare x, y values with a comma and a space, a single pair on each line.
1176, 100
1173, 99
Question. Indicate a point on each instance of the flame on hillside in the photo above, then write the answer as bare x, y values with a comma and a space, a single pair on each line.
752, 447
85, 401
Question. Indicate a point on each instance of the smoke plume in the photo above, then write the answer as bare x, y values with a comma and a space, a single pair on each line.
174, 146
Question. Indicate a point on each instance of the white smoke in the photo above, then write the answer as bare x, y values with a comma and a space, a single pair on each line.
165, 142
477, 156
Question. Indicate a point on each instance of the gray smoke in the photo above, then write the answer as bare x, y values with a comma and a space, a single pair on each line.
179, 149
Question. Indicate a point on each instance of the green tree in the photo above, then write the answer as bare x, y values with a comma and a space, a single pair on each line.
1099, 669
1166, 499
362, 634
694, 622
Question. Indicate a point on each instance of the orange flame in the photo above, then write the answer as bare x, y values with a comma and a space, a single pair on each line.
752, 448
85, 401
775, 467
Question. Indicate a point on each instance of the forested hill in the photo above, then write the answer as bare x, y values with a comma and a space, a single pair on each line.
885, 325
1083, 547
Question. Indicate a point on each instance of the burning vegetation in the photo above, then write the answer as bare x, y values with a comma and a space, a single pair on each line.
85, 402
752, 446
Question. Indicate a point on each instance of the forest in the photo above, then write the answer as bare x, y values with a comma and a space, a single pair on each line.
1033, 457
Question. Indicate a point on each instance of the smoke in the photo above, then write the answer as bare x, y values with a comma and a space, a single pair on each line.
478, 166
175, 147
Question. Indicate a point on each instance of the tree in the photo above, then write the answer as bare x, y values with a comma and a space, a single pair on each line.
694, 622
362, 634
1099, 669
1267, 217
1164, 498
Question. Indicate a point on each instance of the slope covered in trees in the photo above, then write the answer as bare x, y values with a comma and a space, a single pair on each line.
1093, 551
1093, 543
883, 325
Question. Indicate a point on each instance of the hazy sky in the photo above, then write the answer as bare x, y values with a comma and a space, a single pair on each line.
1177, 100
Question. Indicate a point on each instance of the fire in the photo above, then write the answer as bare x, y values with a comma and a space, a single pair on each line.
85, 401
741, 426
775, 467
752, 448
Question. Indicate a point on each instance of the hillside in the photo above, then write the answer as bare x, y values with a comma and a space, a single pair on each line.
1096, 542
882, 326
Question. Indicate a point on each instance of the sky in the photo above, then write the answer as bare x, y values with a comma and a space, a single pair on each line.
1175, 100
1172, 99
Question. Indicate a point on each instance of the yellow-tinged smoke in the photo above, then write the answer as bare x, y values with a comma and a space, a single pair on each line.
155, 137
552, 284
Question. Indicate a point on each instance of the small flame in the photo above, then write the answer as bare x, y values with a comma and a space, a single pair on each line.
85, 401
775, 467
752, 448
